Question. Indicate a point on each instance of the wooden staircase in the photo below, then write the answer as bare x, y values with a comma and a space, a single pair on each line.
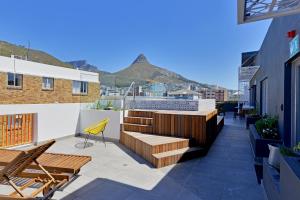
161, 151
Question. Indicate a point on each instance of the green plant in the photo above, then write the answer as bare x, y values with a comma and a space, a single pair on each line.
267, 127
109, 104
260, 125
253, 112
285, 151
297, 147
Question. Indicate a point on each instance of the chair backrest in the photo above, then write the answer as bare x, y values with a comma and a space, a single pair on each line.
24, 159
98, 127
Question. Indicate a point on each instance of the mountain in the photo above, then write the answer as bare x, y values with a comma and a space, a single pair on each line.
8, 49
83, 65
141, 71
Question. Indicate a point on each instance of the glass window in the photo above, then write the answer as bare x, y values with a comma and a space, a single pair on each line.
84, 88
48, 83
14, 80
80, 87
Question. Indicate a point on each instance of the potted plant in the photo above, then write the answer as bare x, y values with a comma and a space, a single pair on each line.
274, 156
252, 117
264, 132
296, 149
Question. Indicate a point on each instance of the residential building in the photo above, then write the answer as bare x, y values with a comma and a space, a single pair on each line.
217, 94
158, 89
185, 94
275, 85
221, 95
50, 97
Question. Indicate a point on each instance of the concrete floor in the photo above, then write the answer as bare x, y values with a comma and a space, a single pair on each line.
115, 173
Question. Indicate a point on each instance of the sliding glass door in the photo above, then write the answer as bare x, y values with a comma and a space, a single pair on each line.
295, 109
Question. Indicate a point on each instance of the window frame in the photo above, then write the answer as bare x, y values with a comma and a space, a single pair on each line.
82, 88
14, 86
45, 88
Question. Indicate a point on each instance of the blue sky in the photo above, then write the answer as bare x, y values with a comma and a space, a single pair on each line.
198, 39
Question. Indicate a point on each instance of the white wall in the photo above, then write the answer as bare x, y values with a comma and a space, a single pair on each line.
38, 69
52, 120
206, 104
90, 117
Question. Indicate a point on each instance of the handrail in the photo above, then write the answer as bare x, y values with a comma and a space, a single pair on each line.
125, 95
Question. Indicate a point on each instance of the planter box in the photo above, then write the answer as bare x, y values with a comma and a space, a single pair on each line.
271, 181
250, 119
289, 178
259, 145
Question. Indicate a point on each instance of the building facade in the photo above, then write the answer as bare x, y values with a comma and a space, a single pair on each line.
43, 100
275, 85
217, 94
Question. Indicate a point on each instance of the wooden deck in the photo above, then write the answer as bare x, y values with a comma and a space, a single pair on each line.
199, 127
168, 137
151, 147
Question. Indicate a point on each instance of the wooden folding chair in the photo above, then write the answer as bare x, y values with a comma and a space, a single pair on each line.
48, 183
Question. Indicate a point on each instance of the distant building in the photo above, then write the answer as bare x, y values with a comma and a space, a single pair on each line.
221, 95
158, 89
217, 94
192, 87
185, 94
139, 91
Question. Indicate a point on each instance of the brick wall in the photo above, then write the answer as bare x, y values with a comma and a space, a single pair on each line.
32, 92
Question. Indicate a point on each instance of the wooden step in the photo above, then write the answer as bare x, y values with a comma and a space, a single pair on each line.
138, 120
140, 113
138, 128
146, 145
172, 157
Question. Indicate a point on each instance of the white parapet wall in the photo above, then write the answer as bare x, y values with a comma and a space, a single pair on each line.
164, 104
206, 104
12, 65
91, 117
173, 104
52, 120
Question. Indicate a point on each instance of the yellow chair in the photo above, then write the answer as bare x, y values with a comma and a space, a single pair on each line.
96, 130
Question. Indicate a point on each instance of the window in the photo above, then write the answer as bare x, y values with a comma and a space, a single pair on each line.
14, 80
48, 83
80, 87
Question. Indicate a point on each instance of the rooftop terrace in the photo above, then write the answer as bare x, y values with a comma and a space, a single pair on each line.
116, 173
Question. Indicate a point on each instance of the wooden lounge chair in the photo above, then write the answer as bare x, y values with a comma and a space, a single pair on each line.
17, 168
52, 162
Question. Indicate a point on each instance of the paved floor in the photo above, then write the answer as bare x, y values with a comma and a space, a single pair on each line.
116, 173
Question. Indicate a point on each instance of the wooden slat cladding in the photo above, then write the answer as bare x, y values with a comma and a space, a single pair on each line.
140, 113
147, 145
16, 129
138, 128
199, 128
138, 120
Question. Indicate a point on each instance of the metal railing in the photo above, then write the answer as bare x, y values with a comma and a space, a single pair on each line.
132, 85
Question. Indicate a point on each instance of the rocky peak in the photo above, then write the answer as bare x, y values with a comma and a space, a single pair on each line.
141, 59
